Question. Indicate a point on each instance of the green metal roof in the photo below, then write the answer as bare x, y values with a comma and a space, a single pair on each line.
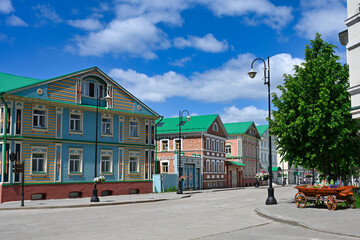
196, 124
236, 163
275, 169
9, 82
262, 128
237, 128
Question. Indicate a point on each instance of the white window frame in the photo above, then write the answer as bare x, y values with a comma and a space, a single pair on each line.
39, 150
213, 144
222, 146
174, 144
106, 153
152, 133
137, 128
217, 145
121, 129
147, 134
121, 163
80, 114
208, 166
85, 89
77, 152
217, 166
136, 160
111, 123
18, 158
161, 166
46, 112
213, 166
227, 147
161, 145
208, 147
19, 106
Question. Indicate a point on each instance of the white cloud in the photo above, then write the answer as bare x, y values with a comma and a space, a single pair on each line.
249, 113
46, 12
136, 36
181, 62
6, 6
137, 26
134, 30
223, 84
89, 24
15, 21
325, 17
207, 44
264, 11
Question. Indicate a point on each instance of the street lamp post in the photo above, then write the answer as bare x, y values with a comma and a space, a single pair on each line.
271, 199
179, 191
256, 165
95, 197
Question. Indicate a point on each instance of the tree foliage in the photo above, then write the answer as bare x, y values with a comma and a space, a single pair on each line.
313, 120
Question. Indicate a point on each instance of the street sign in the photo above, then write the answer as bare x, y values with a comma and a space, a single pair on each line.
18, 168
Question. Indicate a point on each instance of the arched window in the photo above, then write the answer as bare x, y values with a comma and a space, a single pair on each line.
215, 127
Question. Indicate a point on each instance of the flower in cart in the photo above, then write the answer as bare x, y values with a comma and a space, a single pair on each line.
182, 178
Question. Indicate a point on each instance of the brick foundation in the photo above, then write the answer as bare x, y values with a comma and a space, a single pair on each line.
60, 191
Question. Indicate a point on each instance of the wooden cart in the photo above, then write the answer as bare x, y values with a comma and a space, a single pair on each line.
318, 196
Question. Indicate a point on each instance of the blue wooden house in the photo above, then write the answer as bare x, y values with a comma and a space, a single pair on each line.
50, 126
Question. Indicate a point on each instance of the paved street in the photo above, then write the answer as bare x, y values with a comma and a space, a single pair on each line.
206, 215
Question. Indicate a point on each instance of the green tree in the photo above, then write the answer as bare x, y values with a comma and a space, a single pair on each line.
313, 120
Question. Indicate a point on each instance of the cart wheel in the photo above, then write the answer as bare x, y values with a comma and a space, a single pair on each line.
300, 200
350, 201
331, 203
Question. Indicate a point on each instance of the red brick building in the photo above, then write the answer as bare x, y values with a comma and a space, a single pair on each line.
201, 136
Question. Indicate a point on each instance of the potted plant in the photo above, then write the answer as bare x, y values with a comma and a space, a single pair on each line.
100, 179
182, 178
262, 176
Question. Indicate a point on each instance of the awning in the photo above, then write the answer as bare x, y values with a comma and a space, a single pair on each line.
275, 169
236, 163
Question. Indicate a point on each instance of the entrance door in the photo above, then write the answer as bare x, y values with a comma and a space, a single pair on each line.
234, 176
190, 176
230, 178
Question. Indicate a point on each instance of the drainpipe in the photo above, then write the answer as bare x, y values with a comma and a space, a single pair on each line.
5, 134
162, 117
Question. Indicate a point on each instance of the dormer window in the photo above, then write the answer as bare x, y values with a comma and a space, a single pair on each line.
215, 127
89, 89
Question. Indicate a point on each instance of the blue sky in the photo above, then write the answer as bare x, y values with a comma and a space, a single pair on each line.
171, 54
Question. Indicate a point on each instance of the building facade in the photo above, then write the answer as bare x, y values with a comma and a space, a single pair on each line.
50, 126
264, 149
242, 153
350, 39
202, 137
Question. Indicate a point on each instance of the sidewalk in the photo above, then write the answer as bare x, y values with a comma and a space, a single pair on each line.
85, 202
343, 221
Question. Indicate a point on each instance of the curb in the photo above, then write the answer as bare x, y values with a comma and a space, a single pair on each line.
299, 224
93, 204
